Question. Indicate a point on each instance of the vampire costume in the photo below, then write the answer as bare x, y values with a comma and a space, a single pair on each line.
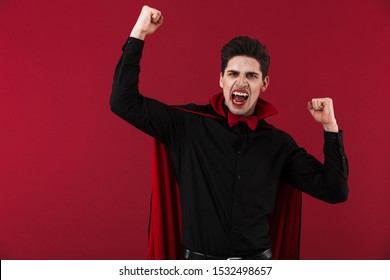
228, 172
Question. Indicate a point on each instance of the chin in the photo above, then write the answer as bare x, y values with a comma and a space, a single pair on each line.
238, 111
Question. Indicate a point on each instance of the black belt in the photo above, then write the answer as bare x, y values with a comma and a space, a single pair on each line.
264, 255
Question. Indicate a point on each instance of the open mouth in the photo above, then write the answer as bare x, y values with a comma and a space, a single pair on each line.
239, 97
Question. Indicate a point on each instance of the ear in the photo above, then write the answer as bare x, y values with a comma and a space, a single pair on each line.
220, 80
265, 84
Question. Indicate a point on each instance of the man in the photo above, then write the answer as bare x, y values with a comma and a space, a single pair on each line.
227, 159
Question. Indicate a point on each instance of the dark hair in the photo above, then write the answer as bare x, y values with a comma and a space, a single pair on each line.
246, 46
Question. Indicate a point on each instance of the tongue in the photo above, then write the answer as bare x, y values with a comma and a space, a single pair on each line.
239, 98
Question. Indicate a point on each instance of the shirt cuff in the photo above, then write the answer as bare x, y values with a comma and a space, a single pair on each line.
333, 137
132, 51
334, 141
136, 44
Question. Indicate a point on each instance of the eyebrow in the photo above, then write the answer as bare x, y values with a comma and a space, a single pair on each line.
246, 73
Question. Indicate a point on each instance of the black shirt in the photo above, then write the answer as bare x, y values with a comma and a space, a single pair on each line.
227, 176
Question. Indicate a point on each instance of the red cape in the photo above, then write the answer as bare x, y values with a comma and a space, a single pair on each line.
165, 215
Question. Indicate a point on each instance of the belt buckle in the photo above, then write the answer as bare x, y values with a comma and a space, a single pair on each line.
234, 258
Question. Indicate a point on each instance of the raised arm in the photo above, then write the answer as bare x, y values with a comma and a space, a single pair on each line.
151, 116
327, 181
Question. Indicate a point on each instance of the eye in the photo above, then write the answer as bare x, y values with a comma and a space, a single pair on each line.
232, 73
251, 76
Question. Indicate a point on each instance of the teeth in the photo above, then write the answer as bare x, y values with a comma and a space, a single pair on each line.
240, 93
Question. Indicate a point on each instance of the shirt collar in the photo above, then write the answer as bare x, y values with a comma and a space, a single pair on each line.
263, 110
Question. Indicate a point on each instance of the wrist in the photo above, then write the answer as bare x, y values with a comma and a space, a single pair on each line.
138, 33
331, 127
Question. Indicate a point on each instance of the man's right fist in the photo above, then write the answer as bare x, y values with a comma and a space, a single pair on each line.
148, 21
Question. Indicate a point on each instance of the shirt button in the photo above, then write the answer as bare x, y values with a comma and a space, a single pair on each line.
239, 152
235, 203
238, 177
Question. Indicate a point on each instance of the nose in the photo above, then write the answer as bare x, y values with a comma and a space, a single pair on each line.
241, 80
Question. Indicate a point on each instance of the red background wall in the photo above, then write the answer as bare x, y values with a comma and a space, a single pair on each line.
75, 179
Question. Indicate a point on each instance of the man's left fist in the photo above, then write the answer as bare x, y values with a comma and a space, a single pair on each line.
322, 111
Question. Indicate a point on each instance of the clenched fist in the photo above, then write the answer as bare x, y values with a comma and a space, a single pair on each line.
322, 111
148, 21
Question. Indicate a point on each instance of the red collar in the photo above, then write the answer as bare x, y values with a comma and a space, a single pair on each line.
264, 109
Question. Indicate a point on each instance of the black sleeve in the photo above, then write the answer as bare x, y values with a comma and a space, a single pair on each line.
163, 122
328, 181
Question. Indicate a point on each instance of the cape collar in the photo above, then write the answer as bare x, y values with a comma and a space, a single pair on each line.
263, 110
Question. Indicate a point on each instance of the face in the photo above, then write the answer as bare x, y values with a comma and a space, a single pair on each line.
242, 82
